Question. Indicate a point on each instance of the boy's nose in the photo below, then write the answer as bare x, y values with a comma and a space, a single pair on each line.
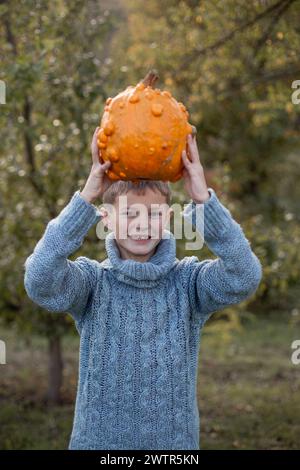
142, 228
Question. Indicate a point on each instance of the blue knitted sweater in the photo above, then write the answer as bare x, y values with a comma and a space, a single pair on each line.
139, 323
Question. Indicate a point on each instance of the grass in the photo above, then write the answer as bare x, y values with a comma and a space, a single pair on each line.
248, 390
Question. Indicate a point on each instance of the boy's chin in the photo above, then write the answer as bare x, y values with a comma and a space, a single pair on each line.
141, 247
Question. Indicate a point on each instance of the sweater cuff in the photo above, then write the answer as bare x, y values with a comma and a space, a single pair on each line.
78, 216
211, 214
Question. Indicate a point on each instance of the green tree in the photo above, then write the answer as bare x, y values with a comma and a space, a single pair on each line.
55, 61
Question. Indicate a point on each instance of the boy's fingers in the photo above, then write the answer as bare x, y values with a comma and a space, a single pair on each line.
185, 173
95, 154
95, 135
193, 149
105, 166
185, 159
100, 156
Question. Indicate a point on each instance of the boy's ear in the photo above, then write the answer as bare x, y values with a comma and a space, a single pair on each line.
104, 214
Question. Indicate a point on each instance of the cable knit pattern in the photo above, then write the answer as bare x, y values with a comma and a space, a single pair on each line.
139, 323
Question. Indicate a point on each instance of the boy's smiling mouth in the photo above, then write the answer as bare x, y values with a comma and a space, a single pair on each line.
144, 237
140, 239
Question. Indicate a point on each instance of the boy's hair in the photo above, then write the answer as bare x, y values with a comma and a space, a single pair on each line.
122, 187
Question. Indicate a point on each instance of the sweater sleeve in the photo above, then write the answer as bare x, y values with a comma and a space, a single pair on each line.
53, 281
234, 275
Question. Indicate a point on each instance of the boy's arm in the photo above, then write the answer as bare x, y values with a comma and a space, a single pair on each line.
234, 275
53, 281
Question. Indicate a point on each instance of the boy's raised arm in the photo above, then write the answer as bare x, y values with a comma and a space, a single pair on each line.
235, 274
51, 279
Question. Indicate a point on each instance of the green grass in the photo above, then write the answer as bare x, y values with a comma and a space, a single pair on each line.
248, 390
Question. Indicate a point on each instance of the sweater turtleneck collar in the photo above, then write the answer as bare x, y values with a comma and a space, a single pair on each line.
141, 274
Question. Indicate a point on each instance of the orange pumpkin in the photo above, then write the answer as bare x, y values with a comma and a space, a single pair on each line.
143, 132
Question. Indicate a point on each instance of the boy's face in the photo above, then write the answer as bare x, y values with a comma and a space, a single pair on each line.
138, 221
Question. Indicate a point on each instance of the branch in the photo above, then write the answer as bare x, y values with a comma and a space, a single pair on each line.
282, 9
270, 76
220, 42
278, 74
9, 34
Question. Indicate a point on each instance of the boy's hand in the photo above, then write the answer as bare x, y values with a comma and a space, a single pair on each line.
193, 173
98, 181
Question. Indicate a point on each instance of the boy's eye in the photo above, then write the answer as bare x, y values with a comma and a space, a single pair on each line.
156, 214
135, 213
130, 213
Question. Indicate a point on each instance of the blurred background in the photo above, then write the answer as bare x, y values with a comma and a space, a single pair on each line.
232, 63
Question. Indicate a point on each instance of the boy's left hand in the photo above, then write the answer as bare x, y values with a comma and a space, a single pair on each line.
193, 173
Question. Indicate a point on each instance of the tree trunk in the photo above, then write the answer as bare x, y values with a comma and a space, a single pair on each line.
55, 370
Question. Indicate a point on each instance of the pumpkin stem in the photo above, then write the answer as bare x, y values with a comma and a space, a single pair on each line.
151, 77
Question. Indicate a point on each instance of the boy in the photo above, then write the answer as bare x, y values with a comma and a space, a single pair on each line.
139, 312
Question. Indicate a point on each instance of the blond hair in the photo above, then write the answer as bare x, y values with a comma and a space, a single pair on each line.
122, 187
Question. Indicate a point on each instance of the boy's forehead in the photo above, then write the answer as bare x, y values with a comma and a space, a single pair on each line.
146, 197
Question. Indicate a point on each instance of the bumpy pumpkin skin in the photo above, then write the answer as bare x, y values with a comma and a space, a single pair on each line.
143, 132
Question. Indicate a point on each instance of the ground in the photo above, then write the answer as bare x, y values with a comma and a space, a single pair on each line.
248, 390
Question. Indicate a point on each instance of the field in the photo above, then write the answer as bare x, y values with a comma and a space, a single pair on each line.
248, 390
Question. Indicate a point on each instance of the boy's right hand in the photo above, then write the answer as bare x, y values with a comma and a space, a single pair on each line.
98, 181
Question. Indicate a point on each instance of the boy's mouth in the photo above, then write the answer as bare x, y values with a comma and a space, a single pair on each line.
140, 238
